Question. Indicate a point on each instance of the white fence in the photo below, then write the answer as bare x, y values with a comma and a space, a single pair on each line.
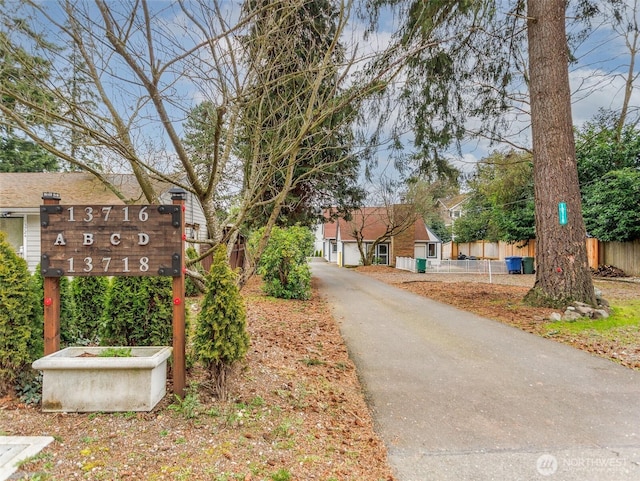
466, 266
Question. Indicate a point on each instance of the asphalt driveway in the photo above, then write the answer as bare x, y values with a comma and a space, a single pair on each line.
459, 397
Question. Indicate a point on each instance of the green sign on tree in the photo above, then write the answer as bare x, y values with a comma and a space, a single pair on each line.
562, 213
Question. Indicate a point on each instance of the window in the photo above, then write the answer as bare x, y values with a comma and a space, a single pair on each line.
432, 250
382, 254
13, 227
334, 247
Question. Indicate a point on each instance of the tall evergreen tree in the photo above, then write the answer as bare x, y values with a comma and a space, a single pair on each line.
22, 75
19, 155
322, 175
562, 273
469, 61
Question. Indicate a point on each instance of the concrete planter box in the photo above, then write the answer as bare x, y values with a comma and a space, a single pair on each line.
74, 381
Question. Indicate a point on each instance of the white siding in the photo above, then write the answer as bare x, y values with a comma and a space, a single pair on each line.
350, 254
329, 253
318, 244
193, 215
32, 240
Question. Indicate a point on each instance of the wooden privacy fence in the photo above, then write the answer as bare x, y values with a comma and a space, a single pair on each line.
490, 250
623, 255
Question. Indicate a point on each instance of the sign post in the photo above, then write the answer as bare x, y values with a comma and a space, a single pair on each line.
114, 240
179, 337
51, 296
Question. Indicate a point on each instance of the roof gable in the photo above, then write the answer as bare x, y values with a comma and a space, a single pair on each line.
453, 202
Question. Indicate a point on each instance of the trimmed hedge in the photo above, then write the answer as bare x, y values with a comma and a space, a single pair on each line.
138, 312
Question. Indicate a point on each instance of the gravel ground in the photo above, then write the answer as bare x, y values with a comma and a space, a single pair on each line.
612, 288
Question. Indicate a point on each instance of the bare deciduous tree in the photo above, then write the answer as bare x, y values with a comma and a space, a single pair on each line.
150, 65
389, 216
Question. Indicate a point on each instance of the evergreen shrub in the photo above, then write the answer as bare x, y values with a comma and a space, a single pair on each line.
17, 327
138, 312
190, 287
283, 265
89, 296
221, 337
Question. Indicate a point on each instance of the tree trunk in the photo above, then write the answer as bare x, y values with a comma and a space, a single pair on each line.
563, 273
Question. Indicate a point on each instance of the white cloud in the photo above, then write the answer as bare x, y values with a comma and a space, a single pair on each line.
594, 89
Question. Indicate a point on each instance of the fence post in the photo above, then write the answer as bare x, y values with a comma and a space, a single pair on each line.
593, 254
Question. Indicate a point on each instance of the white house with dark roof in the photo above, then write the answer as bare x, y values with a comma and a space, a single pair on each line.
21, 198
339, 244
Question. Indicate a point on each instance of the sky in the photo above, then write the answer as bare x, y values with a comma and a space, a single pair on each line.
597, 80
596, 77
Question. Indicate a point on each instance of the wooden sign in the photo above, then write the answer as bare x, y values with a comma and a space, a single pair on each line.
111, 240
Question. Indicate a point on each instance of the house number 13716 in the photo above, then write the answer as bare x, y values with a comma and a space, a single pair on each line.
89, 214
88, 264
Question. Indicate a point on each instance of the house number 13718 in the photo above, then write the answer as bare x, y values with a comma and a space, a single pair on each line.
106, 263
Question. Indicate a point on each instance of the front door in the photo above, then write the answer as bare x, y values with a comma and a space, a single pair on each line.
382, 254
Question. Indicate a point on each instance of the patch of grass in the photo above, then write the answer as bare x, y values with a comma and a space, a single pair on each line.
38, 477
33, 459
284, 430
189, 406
213, 412
623, 315
309, 459
241, 413
281, 475
312, 362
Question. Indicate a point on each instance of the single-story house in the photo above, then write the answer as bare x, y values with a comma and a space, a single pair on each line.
339, 243
21, 198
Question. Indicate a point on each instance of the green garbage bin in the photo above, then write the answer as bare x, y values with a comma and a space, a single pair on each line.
421, 265
527, 265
